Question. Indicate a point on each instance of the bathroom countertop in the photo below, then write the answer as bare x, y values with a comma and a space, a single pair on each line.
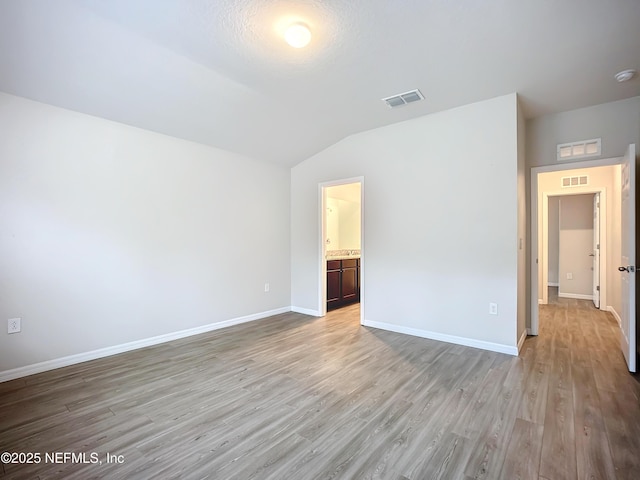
341, 257
342, 253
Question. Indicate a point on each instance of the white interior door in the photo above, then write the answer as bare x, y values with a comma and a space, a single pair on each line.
628, 258
596, 250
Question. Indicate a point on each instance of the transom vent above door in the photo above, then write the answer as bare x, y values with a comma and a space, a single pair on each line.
581, 149
578, 181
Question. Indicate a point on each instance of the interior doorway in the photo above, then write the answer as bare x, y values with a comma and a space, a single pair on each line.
600, 178
573, 246
342, 245
617, 239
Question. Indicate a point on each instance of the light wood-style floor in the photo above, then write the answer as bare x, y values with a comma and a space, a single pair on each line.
292, 397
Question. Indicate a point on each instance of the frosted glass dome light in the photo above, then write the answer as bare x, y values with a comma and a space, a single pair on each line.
625, 75
297, 35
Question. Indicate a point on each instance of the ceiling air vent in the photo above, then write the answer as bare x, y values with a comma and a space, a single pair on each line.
403, 98
582, 149
579, 181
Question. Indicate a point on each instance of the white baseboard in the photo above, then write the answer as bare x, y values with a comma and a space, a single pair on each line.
443, 337
578, 296
541, 302
523, 337
615, 315
126, 347
529, 331
553, 284
306, 311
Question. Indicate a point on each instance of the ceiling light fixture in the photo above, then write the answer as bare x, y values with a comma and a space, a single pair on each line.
298, 35
625, 75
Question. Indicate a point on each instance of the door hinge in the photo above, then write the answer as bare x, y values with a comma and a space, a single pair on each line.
598, 246
598, 288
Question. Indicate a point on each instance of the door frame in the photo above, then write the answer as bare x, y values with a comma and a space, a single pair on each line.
322, 198
535, 238
543, 253
628, 258
597, 251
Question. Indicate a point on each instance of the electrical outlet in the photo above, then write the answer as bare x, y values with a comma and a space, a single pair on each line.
493, 309
266, 287
569, 276
14, 325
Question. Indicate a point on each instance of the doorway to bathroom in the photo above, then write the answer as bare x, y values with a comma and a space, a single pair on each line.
342, 242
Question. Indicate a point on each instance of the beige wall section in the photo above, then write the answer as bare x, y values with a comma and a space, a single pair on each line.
343, 217
554, 237
332, 218
614, 230
112, 234
608, 178
575, 246
617, 123
440, 226
349, 225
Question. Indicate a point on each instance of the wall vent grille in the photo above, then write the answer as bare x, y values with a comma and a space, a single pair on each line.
403, 98
578, 181
581, 149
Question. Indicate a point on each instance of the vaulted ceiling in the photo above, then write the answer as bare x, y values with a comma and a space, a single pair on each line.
218, 72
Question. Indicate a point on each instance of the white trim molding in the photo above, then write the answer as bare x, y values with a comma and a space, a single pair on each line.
578, 296
443, 337
126, 347
615, 315
306, 311
553, 284
523, 337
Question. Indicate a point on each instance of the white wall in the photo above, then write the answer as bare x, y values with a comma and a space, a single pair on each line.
112, 234
575, 245
440, 223
554, 240
524, 289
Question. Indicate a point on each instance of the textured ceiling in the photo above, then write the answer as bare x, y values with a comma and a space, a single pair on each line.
219, 72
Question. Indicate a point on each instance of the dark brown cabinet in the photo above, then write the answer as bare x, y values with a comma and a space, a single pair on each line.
334, 274
343, 282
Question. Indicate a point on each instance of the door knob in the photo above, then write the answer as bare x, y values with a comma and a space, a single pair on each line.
630, 269
592, 255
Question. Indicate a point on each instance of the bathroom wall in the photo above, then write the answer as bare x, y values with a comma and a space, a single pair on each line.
343, 217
